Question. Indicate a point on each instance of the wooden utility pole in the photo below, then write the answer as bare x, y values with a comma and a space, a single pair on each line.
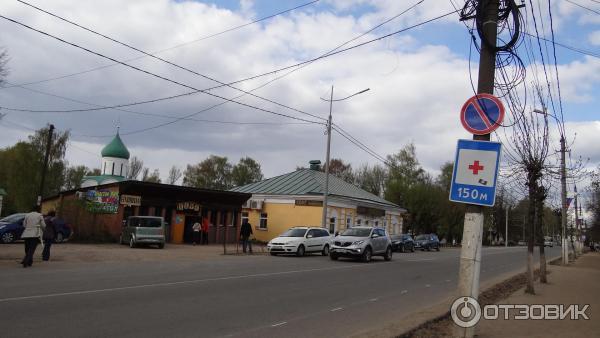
470, 253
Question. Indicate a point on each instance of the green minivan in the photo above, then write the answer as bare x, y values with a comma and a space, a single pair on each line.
143, 230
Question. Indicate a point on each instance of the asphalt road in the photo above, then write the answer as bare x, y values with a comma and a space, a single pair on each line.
243, 296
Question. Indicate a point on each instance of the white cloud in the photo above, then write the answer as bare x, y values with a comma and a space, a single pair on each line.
416, 92
594, 38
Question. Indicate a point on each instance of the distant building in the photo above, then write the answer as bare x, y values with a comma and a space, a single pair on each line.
296, 199
115, 164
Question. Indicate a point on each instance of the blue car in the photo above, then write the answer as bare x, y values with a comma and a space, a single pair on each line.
11, 228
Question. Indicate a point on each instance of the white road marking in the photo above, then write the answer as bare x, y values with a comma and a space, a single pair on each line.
403, 292
336, 309
427, 285
419, 260
373, 299
193, 281
278, 324
447, 280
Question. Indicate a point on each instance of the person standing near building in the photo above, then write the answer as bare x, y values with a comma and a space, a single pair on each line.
34, 226
196, 233
49, 233
205, 230
245, 232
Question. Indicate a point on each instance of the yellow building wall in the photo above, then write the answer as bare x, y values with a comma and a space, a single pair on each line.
281, 217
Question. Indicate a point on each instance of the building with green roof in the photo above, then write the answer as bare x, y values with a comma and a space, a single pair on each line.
115, 164
296, 199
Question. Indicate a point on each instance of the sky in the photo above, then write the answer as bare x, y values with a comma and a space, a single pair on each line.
418, 79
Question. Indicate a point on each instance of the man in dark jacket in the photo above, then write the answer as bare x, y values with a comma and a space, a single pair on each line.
245, 232
49, 233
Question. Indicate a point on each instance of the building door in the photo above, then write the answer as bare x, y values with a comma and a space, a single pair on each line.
188, 233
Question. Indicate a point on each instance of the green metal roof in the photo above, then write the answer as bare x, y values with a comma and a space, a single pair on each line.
103, 178
310, 182
116, 148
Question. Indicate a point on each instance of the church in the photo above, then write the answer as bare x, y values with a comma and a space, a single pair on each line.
97, 210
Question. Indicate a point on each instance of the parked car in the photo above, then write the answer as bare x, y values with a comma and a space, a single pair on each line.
402, 243
143, 230
301, 240
548, 241
362, 243
427, 242
11, 228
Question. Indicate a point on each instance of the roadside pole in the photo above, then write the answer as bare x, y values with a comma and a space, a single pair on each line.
45, 167
470, 253
576, 228
565, 207
506, 229
326, 192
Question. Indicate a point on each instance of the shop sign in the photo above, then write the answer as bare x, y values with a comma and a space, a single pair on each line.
370, 211
309, 203
131, 200
102, 201
182, 206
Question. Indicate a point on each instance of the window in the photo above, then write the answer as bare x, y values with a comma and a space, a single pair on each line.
358, 222
332, 225
348, 220
312, 233
113, 169
323, 233
367, 222
121, 172
245, 217
104, 169
263, 221
376, 223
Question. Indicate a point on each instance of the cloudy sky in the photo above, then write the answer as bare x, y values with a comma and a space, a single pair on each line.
418, 79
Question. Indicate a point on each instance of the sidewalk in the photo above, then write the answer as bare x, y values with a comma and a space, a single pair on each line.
577, 283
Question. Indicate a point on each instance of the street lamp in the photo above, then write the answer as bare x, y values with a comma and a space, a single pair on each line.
563, 185
326, 192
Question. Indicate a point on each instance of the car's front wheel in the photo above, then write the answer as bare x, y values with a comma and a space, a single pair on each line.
300, 252
333, 257
161, 246
367, 255
388, 254
325, 251
8, 237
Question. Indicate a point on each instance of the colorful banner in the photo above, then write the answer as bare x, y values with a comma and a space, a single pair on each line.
102, 201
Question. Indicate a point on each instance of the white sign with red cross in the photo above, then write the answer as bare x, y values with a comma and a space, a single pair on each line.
475, 172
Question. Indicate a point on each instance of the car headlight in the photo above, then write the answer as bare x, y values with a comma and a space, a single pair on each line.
358, 242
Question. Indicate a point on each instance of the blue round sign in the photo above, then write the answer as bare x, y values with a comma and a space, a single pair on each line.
482, 114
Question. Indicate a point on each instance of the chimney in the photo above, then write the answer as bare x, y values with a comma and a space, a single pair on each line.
315, 165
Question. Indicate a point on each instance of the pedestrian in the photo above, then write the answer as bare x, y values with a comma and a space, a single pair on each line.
34, 226
49, 233
245, 232
205, 230
196, 232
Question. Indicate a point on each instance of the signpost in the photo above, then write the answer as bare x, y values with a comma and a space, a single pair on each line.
482, 114
475, 172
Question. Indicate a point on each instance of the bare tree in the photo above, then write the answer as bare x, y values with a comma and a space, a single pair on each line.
530, 144
135, 167
174, 175
3, 65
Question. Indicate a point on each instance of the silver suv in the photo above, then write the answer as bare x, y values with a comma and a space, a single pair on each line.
143, 230
362, 243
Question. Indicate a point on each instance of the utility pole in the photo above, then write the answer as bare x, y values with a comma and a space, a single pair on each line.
45, 167
470, 252
506, 229
565, 207
326, 192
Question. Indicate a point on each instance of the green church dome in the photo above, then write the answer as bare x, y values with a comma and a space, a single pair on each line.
116, 148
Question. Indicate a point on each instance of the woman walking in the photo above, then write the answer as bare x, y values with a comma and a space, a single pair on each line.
34, 227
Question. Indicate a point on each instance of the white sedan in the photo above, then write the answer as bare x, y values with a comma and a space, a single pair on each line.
301, 240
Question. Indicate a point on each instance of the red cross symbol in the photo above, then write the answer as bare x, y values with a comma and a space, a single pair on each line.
475, 167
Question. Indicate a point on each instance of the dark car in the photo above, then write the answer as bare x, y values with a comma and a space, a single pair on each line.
427, 242
403, 243
11, 228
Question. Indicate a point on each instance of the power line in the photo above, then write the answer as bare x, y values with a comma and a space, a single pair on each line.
295, 67
584, 7
153, 74
574, 49
169, 48
166, 61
